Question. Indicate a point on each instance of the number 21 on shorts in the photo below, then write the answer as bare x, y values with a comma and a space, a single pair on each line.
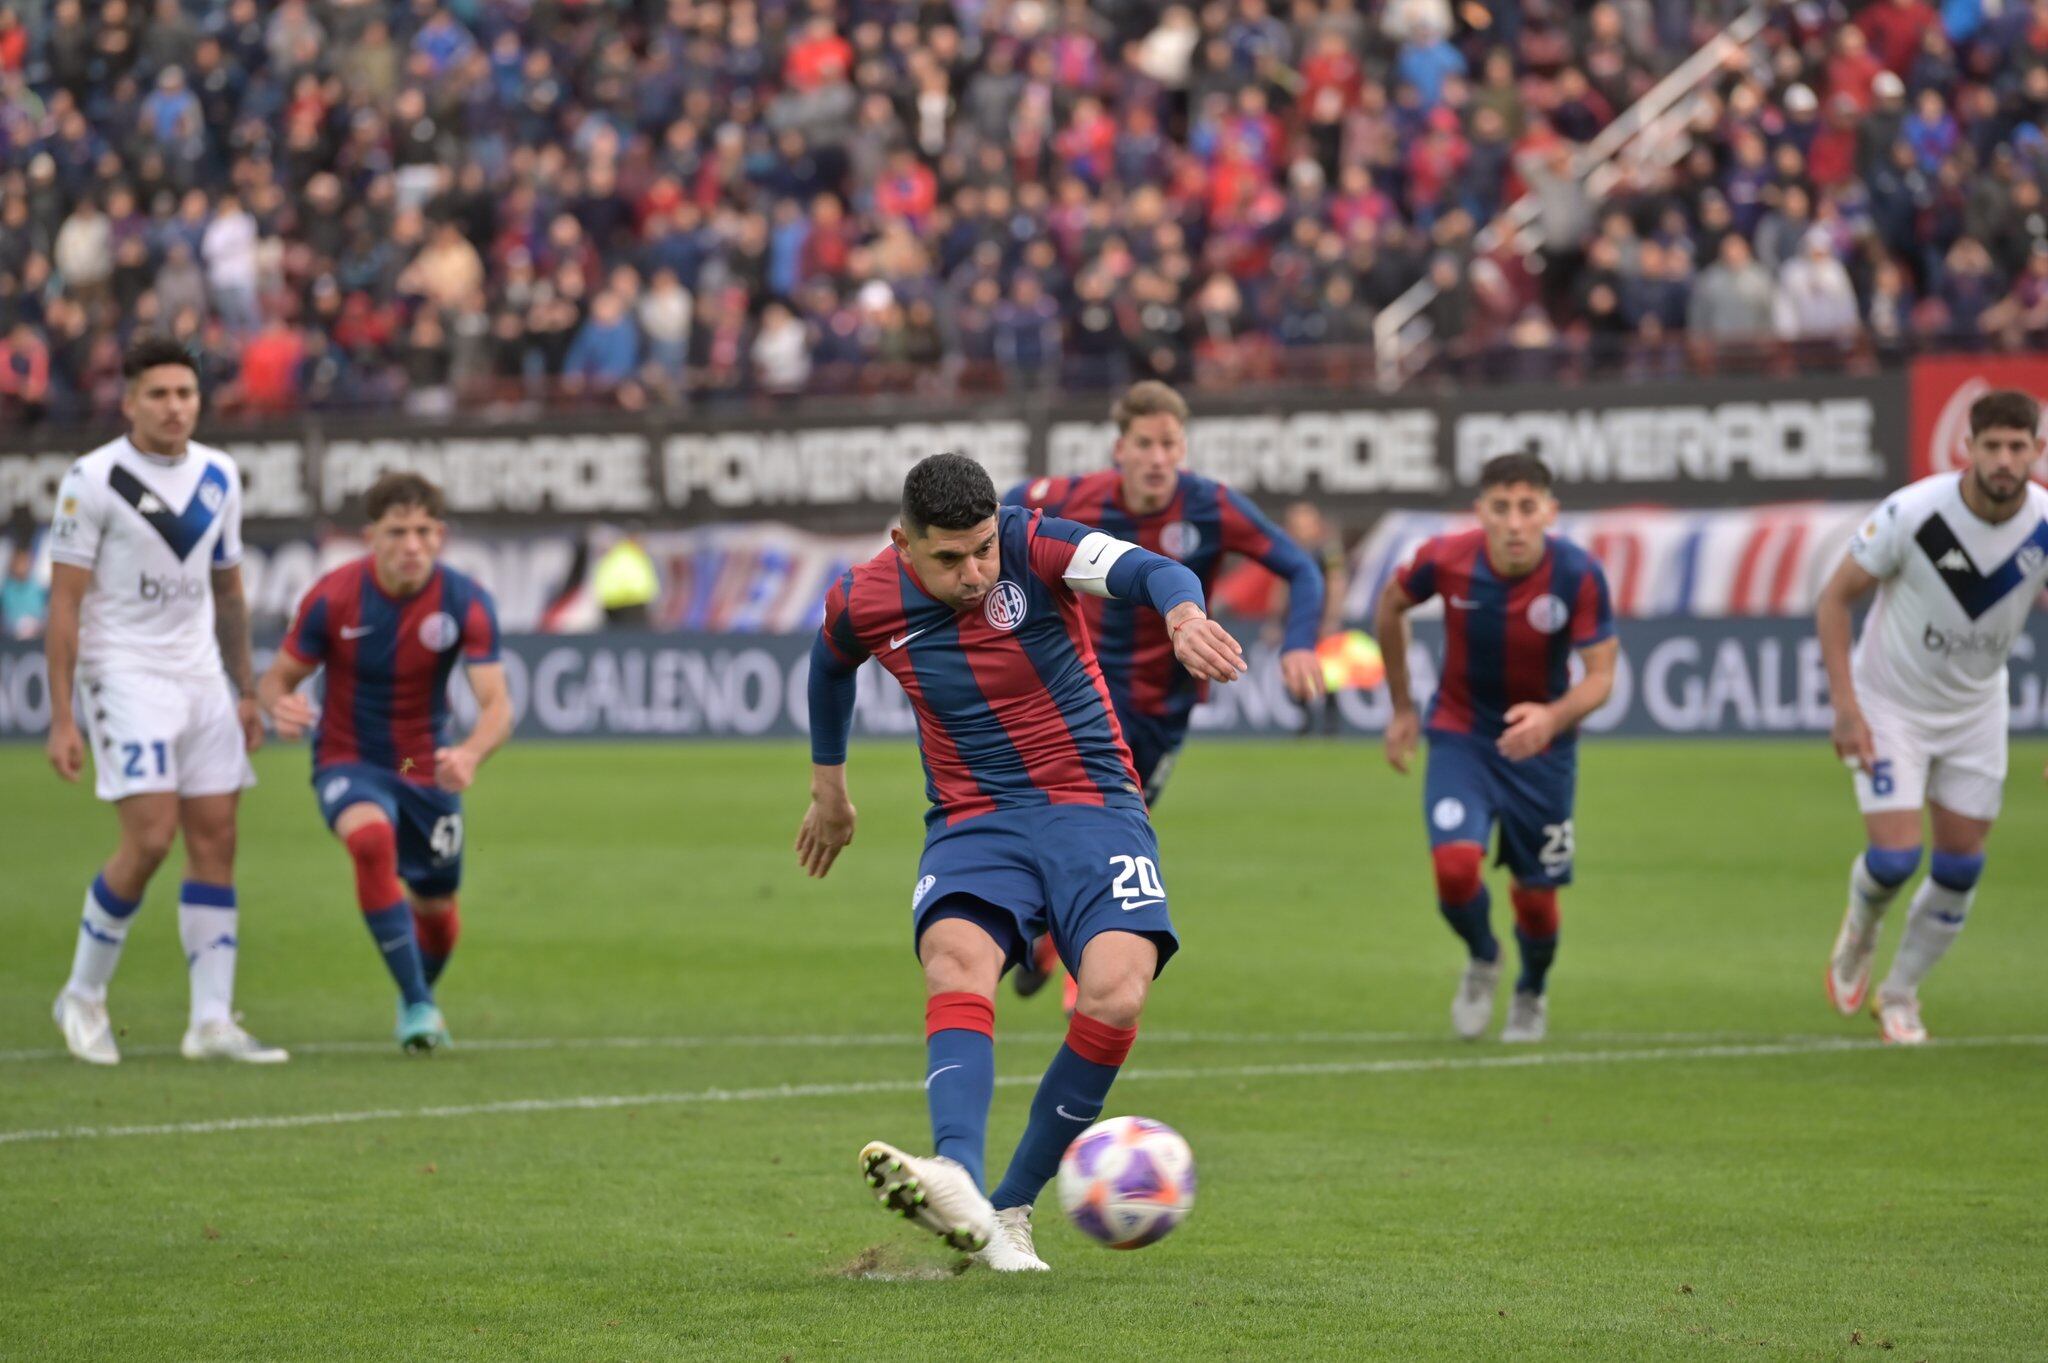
1137, 885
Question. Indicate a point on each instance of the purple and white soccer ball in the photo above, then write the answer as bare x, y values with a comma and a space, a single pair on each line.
1128, 1181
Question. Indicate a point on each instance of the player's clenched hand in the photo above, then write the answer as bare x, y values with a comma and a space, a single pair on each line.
1852, 739
1531, 727
1303, 675
251, 716
293, 715
66, 750
827, 829
454, 769
1404, 731
1204, 647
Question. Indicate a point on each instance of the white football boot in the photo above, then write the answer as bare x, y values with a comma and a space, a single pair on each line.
1528, 1017
1898, 1019
1010, 1249
935, 1192
1472, 1005
1849, 963
224, 1039
87, 1033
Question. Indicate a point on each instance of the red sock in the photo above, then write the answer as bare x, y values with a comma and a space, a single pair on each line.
1099, 1042
1535, 911
374, 849
437, 931
959, 1012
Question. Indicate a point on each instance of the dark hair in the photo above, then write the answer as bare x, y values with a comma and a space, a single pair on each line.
396, 487
150, 352
1505, 469
2007, 409
949, 491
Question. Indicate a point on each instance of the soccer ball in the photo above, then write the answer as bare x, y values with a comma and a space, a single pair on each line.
1127, 1181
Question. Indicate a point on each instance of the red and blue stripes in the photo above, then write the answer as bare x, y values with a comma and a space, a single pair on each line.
388, 660
1012, 709
1506, 640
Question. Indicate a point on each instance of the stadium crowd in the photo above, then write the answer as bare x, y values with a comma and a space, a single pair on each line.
347, 203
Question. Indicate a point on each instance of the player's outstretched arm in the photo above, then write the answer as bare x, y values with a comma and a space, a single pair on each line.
66, 746
455, 767
231, 628
1099, 564
277, 693
828, 824
1833, 621
1247, 530
1390, 628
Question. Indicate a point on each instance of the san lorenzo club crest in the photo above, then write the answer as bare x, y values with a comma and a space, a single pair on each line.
438, 631
1547, 614
1004, 606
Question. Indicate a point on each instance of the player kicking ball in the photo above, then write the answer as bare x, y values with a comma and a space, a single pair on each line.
150, 670
1503, 726
389, 630
1920, 711
1037, 825
1149, 498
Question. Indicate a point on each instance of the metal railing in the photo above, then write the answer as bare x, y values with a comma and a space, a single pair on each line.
1651, 133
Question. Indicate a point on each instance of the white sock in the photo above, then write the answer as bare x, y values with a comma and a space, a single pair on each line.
1869, 897
1932, 926
206, 925
102, 931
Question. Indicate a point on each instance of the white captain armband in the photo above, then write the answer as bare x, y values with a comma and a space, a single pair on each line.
1094, 556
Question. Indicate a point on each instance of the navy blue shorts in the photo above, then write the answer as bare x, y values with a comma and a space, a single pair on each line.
428, 820
1069, 870
1155, 745
1470, 787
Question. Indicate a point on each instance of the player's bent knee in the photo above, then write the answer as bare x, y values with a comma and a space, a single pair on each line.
1956, 870
959, 956
1892, 866
1458, 878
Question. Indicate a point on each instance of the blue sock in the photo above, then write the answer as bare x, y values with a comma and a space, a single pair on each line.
1472, 920
1537, 954
392, 927
1068, 1101
960, 1081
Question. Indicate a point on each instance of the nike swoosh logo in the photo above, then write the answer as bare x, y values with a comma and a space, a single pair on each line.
356, 631
1061, 1108
902, 639
1142, 904
937, 1072
1463, 604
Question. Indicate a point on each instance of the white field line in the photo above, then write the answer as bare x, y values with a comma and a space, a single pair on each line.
604, 1102
908, 1037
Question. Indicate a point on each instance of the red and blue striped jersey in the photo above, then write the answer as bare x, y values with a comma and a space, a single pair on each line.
1012, 710
388, 660
1506, 640
1203, 522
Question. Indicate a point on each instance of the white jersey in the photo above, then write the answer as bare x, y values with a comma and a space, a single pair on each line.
1953, 594
151, 530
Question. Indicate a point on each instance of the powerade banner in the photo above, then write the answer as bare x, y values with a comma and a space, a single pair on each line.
1705, 678
1705, 442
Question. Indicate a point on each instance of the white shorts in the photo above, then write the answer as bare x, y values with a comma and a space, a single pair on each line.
154, 733
1955, 761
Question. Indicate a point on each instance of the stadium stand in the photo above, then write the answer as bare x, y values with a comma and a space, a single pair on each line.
351, 204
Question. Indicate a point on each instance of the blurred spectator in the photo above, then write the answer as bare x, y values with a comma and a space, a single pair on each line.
24, 602
608, 198
1733, 298
1815, 300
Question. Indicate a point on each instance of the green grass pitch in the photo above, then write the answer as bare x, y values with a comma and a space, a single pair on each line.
1702, 1162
